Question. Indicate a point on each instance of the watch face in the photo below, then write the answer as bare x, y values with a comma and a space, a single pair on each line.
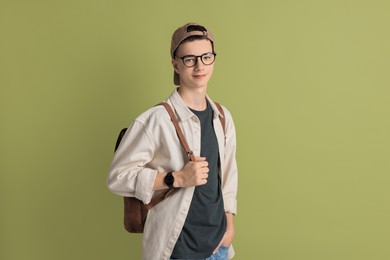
169, 179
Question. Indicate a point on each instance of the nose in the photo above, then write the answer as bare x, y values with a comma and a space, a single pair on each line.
199, 64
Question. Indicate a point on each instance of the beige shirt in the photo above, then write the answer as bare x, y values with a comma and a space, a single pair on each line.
151, 145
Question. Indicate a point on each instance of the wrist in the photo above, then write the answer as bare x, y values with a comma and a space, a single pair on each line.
230, 222
177, 181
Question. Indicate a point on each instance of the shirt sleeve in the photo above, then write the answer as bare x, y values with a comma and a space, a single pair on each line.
128, 175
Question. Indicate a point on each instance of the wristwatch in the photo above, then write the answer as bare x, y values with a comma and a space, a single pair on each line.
169, 180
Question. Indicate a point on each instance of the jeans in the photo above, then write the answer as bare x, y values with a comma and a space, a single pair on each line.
222, 254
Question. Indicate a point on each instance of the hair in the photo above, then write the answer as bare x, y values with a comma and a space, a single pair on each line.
194, 38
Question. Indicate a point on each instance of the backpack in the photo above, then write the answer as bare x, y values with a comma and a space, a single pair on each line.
135, 211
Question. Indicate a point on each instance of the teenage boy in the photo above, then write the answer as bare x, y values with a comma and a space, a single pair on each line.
196, 222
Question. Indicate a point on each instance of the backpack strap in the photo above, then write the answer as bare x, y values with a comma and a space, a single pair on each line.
160, 197
222, 118
179, 132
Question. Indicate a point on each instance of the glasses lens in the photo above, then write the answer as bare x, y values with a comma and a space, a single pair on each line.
208, 58
189, 61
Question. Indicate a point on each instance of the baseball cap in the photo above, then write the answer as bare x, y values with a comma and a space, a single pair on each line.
182, 33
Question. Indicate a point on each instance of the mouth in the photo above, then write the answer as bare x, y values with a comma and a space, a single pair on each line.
199, 76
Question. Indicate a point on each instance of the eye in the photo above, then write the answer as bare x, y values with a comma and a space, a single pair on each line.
189, 59
207, 56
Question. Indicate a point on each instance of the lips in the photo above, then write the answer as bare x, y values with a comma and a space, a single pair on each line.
199, 76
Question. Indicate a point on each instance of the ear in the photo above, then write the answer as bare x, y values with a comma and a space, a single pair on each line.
175, 66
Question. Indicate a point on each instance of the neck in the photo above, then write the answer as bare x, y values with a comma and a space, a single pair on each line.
194, 98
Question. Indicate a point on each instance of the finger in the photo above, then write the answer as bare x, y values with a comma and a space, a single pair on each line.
200, 182
216, 250
201, 171
200, 159
203, 164
220, 244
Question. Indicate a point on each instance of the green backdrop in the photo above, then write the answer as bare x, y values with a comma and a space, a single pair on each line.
306, 81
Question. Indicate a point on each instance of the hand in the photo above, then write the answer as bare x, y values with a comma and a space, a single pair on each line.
228, 237
193, 174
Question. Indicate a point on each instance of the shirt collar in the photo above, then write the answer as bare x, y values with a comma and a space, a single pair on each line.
182, 111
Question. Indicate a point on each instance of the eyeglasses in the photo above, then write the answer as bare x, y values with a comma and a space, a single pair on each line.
207, 58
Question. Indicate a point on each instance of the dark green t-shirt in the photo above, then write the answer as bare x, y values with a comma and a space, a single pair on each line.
205, 224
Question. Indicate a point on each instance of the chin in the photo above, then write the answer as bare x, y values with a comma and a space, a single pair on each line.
201, 83
197, 84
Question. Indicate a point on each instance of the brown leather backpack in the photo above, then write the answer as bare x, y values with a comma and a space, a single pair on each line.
135, 211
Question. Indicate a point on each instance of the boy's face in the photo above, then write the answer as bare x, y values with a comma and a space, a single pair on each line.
199, 75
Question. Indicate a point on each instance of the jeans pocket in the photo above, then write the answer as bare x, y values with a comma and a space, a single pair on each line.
224, 247
222, 253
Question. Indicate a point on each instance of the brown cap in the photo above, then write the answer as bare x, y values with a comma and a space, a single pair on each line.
182, 33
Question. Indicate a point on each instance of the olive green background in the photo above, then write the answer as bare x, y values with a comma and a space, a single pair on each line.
306, 81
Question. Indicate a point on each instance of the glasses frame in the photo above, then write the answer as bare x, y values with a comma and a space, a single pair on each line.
196, 58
